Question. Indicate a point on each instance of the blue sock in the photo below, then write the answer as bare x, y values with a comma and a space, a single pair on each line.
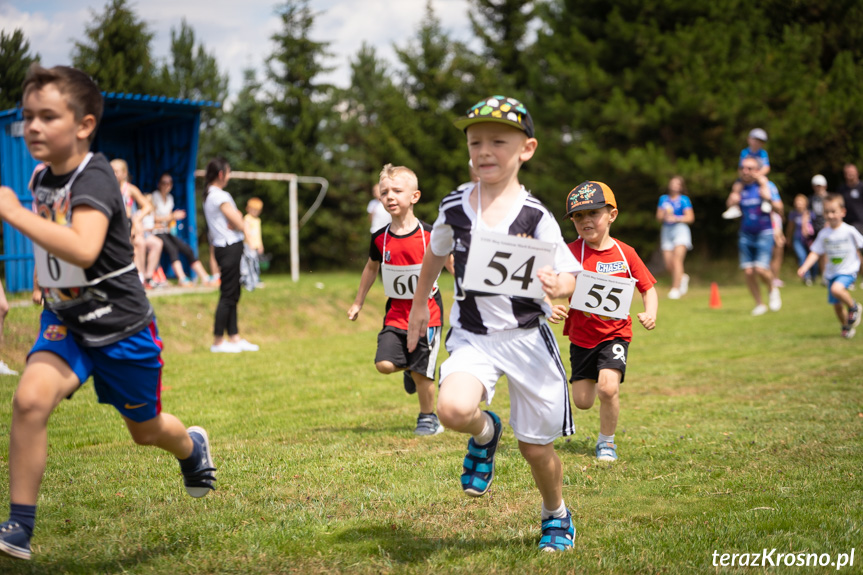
192, 462
25, 515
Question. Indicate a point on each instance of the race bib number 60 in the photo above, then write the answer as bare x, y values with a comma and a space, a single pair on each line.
507, 265
603, 295
400, 282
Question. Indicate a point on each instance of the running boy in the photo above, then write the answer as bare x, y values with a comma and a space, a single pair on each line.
97, 320
502, 237
841, 243
398, 248
599, 343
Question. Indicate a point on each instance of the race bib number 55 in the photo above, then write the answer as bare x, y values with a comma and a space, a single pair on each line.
603, 295
507, 265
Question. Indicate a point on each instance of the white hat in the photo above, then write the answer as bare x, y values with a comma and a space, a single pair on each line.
758, 134
819, 180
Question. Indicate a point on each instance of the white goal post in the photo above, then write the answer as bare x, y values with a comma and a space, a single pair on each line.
295, 223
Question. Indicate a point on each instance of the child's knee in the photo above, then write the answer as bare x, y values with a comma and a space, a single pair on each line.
385, 366
536, 454
583, 393
837, 289
30, 400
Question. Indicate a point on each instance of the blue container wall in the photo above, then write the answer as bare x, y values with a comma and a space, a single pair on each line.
16, 167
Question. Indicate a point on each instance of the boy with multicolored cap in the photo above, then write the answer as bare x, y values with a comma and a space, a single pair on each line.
97, 320
509, 254
598, 323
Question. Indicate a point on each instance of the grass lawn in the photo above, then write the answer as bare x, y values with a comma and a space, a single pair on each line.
737, 434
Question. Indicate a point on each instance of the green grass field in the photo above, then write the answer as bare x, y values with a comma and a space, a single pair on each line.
737, 434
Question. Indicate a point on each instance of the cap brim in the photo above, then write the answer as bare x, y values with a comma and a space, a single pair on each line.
463, 123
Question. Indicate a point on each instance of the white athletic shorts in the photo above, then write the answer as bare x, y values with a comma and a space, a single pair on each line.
530, 359
673, 235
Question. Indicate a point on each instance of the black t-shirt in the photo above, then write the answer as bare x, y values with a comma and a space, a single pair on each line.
853, 203
115, 306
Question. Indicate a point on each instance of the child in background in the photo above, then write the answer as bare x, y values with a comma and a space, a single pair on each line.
253, 249
504, 332
756, 140
599, 344
801, 230
841, 243
97, 319
399, 247
378, 214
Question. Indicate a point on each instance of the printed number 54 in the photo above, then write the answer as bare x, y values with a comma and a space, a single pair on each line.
524, 278
595, 292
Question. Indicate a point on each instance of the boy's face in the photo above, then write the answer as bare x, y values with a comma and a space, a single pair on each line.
834, 213
497, 150
398, 194
593, 225
755, 143
253, 211
820, 190
51, 131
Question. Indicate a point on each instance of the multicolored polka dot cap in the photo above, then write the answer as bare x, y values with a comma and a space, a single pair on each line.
498, 109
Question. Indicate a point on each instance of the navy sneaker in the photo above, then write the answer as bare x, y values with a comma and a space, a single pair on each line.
410, 385
200, 480
14, 541
478, 467
854, 316
428, 424
557, 534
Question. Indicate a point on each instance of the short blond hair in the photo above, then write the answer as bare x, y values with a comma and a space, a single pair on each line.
255, 204
391, 172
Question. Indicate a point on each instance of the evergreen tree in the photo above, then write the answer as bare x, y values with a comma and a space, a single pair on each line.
117, 51
502, 27
15, 58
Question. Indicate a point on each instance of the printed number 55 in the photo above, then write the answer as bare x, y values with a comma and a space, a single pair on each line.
596, 293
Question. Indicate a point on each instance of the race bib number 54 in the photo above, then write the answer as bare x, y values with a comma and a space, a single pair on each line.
507, 265
603, 295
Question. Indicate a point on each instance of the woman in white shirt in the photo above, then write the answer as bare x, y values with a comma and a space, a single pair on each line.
225, 223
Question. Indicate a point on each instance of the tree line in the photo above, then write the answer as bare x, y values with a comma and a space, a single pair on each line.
628, 92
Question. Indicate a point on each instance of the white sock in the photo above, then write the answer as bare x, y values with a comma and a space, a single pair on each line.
487, 433
558, 513
605, 438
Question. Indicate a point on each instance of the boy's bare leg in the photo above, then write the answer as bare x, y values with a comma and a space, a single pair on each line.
458, 403
425, 392
46, 381
547, 471
584, 393
163, 431
608, 389
839, 292
841, 313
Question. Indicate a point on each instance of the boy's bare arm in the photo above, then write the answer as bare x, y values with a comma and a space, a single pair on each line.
78, 244
419, 317
807, 263
651, 307
370, 272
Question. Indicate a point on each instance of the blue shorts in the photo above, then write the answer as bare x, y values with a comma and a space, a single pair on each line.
126, 374
756, 250
845, 280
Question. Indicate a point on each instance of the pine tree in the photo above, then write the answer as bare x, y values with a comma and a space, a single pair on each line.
15, 58
117, 51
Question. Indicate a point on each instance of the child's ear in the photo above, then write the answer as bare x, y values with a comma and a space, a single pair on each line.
415, 196
86, 126
528, 149
612, 215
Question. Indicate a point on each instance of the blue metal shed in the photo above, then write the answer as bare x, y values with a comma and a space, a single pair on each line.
154, 134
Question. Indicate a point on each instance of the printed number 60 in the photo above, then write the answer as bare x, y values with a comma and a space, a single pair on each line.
402, 288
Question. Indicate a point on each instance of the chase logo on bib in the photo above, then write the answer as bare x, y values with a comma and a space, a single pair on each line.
55, 332
610, 268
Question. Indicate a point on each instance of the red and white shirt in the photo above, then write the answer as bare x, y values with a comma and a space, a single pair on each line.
586, 329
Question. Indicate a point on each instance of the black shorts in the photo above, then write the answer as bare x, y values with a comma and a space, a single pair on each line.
393, 347
586, 363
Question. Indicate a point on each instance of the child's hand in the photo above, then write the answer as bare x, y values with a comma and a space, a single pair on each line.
801, 273
647, 320
354, 312
418, 322
559, 312
8, 201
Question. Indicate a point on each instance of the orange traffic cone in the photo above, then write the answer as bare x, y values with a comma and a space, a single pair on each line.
715, 300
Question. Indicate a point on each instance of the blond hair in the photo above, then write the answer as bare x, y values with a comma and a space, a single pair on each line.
391, 172
255, 204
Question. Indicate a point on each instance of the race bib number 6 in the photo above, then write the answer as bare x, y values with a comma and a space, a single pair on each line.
603, 295
52, 272
506, 265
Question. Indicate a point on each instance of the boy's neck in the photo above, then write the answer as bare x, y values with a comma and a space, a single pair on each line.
604, 244
404, 223
510, 187
837, 226
62, 167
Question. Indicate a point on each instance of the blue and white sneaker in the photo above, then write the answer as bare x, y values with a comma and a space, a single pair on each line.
606, 451
854, 316
199, 481
478, 466
557, 534
14, 541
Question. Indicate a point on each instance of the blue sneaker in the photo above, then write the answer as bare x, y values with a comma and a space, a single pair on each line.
557, 534
478, 466
606, 451
199, 481
14, 541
